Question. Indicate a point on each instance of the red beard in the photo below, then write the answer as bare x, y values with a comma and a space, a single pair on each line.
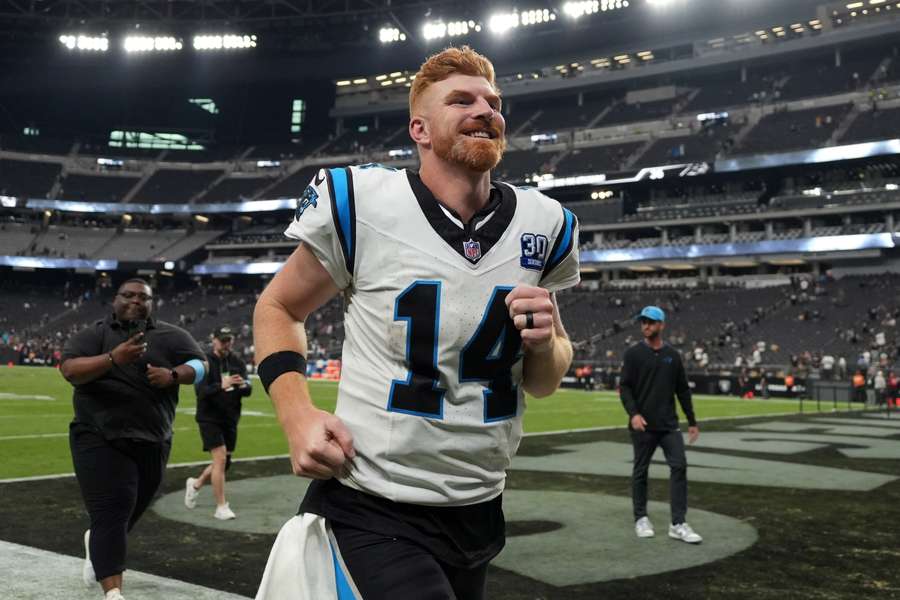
475, 154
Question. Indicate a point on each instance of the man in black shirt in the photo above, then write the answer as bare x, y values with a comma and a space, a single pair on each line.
126, 370
652, 376
218, 413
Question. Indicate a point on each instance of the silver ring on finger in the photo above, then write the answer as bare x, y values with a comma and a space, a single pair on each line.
529, 320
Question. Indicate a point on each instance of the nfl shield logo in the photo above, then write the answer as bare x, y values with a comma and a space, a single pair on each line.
472, 250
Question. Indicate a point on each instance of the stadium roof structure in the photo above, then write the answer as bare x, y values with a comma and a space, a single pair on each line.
302, 25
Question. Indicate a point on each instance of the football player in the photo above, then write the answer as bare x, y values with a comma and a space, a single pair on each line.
449, 281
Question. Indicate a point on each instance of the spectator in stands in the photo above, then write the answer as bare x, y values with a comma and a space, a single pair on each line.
218, 412
892, 388
827, 371
120, 448
859, 387
652, 375
879, 385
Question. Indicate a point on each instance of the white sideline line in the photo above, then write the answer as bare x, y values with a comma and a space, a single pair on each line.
196, 463
66, 434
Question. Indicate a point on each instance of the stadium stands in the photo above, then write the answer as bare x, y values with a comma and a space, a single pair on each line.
234, 189
27, 179
168, 186
596, 159
873, 125
793, 130
95, 188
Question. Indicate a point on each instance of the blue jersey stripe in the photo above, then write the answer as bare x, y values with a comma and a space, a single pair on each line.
342, 205
566, 244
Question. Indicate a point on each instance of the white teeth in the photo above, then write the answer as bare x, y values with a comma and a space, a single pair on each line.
480, 134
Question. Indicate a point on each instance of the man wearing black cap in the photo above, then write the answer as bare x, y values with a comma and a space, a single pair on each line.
218, 413
652, 376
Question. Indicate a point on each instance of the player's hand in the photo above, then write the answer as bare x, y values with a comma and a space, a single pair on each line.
524, 299
320, 445
693, 434
638, 422
130, 350
160, 377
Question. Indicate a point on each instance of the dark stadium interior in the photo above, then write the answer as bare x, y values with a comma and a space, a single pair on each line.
735, 163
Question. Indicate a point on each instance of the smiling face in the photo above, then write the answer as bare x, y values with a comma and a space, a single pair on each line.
133, 302
454, 108
462, 121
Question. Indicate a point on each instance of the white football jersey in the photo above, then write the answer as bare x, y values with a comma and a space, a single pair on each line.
432, 364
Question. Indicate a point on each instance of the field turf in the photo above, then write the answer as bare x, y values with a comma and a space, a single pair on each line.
36, 409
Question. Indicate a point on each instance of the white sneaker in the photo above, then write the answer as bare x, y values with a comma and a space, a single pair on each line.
683, 532
644, 528
224, 512
190, 493
114, 594
87, 569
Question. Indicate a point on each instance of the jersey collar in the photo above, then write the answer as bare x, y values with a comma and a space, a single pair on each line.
474, 239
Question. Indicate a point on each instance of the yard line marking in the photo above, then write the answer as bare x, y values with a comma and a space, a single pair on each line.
66, 434
196, 463
11, 396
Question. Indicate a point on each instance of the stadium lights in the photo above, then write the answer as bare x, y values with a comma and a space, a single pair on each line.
388, 35
435, 30
84, 42
144, 43
502, 22
224, 42
581, 8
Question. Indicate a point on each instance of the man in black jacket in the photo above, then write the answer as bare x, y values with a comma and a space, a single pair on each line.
126, 370
652, 376
218, 413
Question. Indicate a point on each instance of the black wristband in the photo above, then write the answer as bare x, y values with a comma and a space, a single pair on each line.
277, 364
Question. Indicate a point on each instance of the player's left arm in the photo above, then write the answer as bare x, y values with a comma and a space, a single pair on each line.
548, 351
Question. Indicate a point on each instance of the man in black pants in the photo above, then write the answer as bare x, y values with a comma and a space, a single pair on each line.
126, 370
218, 413
652, 376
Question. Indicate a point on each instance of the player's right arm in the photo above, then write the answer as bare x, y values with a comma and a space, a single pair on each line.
319, 442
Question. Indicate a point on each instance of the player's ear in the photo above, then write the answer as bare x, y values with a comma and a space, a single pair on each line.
419, 131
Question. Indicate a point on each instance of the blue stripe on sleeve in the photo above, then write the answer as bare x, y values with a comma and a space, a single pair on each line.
566, 244
342, 204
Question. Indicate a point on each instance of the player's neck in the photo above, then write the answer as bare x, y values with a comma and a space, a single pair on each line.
464, 191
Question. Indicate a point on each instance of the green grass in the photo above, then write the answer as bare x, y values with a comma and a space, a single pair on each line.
34, 431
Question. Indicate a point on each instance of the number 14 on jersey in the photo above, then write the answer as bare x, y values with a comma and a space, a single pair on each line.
487, 358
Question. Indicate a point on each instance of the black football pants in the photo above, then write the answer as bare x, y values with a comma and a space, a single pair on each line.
387, 568
118, 480
645, 444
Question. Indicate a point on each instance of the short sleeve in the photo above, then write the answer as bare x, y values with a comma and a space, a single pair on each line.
185, 348
325, 221
561, 270
86, 342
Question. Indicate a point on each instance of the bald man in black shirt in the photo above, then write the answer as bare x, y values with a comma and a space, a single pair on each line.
652, 376
126, 370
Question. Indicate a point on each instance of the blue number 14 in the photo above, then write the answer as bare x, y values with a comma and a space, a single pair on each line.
487, 357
